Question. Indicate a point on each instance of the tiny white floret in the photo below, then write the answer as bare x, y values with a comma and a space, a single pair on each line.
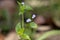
28, 20
23, 3
33, 16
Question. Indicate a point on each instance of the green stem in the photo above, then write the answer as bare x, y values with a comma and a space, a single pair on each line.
22, 20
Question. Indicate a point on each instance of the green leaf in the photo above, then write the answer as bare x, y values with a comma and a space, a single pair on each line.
18, 2
28, 31
33, 25
18, 26
25, 36
21, 8
20, 13
19, 30
28, 7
